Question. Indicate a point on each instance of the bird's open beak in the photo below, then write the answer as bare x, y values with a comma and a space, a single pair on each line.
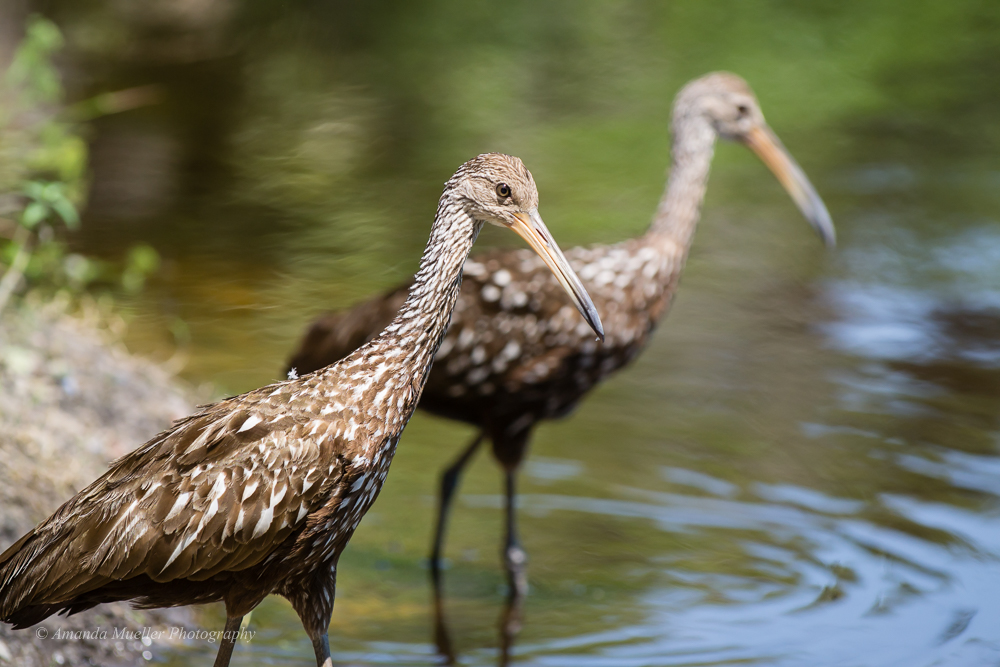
768, 148
530, 227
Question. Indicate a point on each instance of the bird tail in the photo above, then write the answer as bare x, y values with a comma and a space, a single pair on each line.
35, 585
22, 566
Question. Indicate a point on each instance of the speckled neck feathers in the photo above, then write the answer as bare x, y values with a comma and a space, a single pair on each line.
421, 323
680, 207
388, 374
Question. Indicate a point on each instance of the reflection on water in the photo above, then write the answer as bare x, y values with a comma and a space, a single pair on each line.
803, 467
947, 309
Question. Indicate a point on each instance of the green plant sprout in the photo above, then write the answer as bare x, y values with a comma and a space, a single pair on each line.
43, 161
46, 203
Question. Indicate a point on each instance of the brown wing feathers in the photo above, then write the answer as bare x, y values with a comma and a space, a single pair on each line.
184, 506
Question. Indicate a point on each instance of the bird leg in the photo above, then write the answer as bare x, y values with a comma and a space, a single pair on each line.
228, 640
321, 645
515, 558
442, 638
516, 561
449, 482
313, 602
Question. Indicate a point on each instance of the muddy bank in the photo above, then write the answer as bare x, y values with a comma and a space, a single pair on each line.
71, 400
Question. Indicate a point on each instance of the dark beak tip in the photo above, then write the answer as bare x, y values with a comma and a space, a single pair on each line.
594, 320
828, 238
827, 232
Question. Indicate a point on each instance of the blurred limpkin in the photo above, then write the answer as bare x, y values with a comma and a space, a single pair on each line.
515, 353
259, 493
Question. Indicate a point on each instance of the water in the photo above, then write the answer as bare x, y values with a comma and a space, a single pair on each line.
803, 467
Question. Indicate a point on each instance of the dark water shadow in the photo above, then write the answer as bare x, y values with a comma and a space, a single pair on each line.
509, 627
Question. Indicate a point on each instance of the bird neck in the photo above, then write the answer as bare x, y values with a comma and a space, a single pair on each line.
420, 325
680, 206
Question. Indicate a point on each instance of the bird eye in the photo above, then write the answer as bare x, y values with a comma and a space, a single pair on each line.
743, 109
503, 190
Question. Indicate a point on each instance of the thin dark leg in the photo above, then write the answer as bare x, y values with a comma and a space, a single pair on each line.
442, 638
314, 605
449, 482
321, 645
228, 640
515, 558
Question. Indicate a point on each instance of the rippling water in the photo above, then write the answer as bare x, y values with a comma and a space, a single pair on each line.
802, 469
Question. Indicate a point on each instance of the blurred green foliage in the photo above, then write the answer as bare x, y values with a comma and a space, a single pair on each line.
38, 148
43, 179
142, 261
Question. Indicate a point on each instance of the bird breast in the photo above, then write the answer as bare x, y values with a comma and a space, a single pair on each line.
330, 528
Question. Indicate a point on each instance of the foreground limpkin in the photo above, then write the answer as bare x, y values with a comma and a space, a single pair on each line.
259, 493
516, 355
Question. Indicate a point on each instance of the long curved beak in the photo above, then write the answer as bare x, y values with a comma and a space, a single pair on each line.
530, 227
762, 141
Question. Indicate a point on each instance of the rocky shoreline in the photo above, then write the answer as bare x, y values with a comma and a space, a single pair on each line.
71, 400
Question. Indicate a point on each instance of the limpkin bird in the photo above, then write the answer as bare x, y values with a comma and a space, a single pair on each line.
516, 355
259, 493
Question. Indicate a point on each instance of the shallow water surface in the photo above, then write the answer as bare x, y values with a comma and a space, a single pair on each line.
802, 468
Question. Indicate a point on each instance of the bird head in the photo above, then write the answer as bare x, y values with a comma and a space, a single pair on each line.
727, 106
499, 189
